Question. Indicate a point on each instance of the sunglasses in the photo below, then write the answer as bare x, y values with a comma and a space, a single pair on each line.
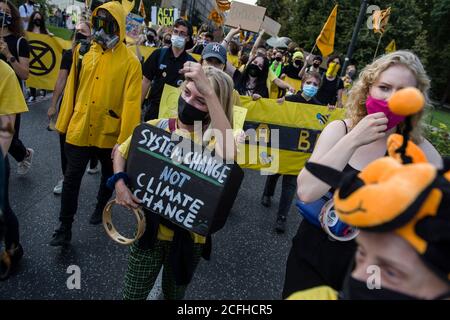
106, 24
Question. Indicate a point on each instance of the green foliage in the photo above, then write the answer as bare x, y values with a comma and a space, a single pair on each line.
418, 25
439, 138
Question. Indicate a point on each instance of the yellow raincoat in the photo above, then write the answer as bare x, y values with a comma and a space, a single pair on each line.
108, 99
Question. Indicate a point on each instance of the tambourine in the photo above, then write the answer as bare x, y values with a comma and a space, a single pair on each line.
112, 231
328, 219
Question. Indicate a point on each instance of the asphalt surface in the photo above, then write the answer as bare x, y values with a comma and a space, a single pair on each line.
248, 258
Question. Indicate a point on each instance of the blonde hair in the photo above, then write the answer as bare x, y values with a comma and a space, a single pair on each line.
356, 103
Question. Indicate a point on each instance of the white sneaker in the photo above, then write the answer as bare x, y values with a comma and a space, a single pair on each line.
24, 166
31, 99
94, 170
58, 188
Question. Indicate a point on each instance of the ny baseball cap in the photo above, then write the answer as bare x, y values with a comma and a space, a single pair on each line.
215, 50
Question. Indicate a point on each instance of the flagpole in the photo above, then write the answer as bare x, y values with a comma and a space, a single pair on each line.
351, 47
378, 46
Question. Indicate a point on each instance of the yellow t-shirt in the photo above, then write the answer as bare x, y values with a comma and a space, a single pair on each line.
234, 60
164, 233
318, 293
12, 100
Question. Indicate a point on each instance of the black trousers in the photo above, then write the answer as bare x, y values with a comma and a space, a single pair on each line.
77, 160
17, 150
288, 189
62, 141
10, 219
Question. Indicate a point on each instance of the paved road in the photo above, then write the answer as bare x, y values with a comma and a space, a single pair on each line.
248, 259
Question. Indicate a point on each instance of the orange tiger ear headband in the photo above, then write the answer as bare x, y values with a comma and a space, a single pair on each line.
412, 199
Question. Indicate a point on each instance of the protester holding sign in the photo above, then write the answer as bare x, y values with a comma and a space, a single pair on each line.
292, 70
15, 51
36, 25
100, 108
163, 67
207, 98
349, 145
12, 103
312, 65
310, 85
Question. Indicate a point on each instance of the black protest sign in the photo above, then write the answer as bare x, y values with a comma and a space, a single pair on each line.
181, 181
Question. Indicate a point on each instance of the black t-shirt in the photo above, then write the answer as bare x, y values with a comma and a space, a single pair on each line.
292, 71
66, 60
298, 98
24, 49
243, 91
165, 72
328, 91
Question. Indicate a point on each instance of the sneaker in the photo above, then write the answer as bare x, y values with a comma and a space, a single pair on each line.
61, 237
266, 201
94, 170
58, 188
280, 225
24, 166
96, 217
31, 99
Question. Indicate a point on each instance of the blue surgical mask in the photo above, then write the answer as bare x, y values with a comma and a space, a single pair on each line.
310, 90
178, 41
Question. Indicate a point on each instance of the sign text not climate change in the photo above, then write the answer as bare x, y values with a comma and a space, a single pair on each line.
186, 155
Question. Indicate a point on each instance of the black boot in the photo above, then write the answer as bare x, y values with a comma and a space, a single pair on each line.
280, 224
96, 217
266, 201
62, 236
9, 261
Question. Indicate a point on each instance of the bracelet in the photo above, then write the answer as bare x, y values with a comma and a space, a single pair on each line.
111, 182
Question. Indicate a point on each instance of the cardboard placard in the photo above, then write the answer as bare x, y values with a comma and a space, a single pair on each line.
164, 16
249, 17
270, 26
181, 181
134, 25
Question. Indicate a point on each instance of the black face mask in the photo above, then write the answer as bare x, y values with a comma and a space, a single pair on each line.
150, 38
37, 22
188, 114
254, 71
278, 59
316, 65
357, 290
79, 37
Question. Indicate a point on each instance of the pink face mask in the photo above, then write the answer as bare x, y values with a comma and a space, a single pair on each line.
376, 105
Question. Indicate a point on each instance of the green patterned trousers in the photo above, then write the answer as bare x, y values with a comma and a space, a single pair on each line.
144, 267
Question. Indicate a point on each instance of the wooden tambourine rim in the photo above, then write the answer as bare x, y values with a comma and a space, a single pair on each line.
112, 231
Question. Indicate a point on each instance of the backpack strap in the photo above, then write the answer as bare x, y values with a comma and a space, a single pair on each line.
162, 55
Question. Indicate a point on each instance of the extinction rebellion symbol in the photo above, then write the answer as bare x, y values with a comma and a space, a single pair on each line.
43, 58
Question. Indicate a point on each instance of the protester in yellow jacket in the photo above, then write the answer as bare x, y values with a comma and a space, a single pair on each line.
100, 109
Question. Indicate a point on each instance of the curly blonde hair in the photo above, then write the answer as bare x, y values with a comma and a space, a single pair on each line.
356, 103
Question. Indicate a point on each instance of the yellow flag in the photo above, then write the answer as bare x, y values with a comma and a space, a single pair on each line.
380, 20
45, 59
325, 41
142, 9
391, 47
